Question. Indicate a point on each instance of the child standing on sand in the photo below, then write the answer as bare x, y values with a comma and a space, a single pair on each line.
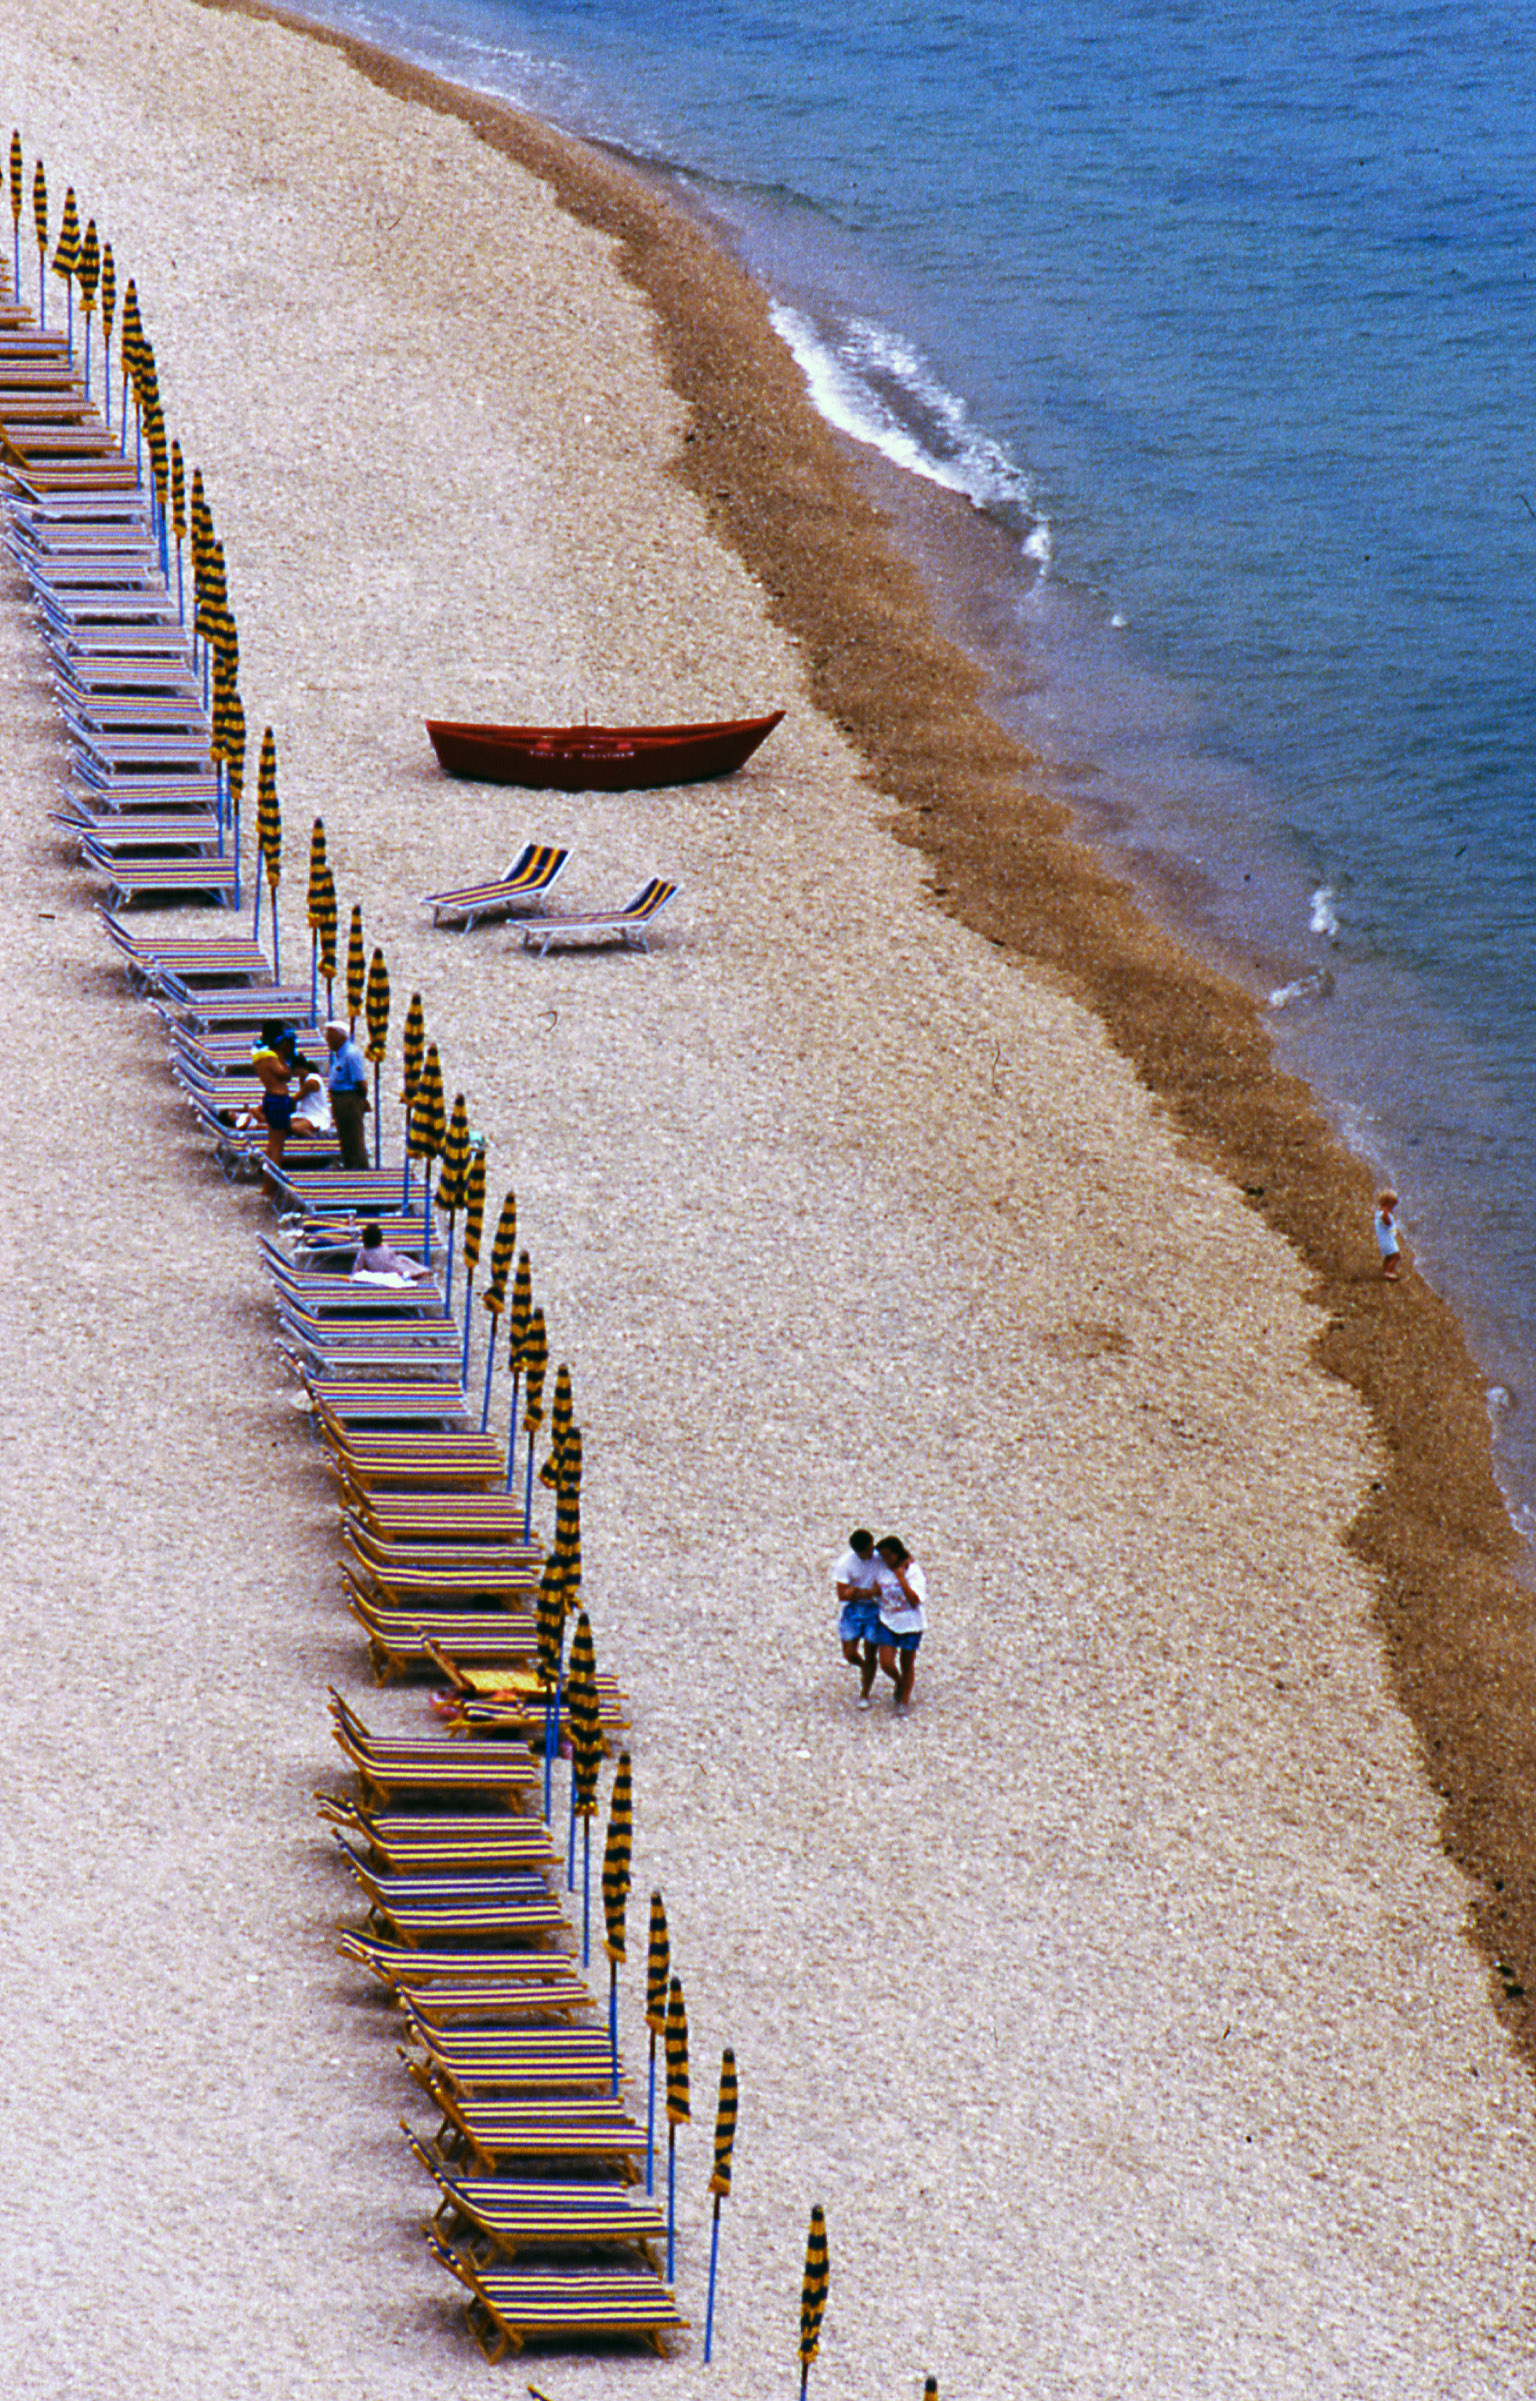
1386, 1234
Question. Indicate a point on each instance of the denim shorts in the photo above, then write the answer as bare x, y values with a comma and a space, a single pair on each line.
860, 1622
905, 1643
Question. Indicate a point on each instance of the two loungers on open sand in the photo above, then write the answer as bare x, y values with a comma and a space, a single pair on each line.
526, 884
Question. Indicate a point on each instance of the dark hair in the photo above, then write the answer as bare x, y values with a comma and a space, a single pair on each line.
861, 1542
373, 1236
893, 1550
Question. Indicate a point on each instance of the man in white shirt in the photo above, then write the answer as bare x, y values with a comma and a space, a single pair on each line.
857, 1577
903, 1615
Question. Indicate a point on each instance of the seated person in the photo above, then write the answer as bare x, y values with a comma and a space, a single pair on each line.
392, 1266
312, 1109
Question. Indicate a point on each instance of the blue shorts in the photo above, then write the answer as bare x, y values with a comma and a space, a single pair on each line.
905, 1643
860, 1622
278, 1108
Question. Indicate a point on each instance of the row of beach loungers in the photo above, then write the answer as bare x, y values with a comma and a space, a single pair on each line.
535, 2160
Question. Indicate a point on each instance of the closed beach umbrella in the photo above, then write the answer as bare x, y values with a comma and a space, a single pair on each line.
17, 187
89, 279
535, 1368
586, 1761
234, 770
518, 1322
474, 1228
453, 1177
720, 2183
617, 1852
562, 1582
376, 1010
676, 2037
658, 1966
813, 2294
502, 1250
178, 508
269, 838
425, 1128
130, 350
931, 2389
562, 1418
414, 1045
357, 967
226, 731
329, 926
312, 903
108, 320
549, 1636
40, 221
66, 258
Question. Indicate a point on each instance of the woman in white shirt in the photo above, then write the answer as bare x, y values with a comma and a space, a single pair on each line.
903, 1616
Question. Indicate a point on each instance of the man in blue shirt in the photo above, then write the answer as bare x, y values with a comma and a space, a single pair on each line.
347, 1084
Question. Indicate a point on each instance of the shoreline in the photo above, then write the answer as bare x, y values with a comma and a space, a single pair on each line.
776, 486
1117, 2005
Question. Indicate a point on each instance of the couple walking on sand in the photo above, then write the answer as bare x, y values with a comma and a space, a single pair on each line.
881, 1592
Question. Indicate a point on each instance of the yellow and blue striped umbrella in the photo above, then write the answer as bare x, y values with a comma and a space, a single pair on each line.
357, 966
813, 2294
326, 935
40, 221
658, 1967
316, 871
678, 2112
66, 256
376, 1008
474, 1229
429, 1117
269, 837
720, 2183
617, 1852
587, 1749
414, 1043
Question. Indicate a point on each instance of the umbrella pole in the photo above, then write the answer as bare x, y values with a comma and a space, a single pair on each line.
570, 1847
469, 1294
714, 2262
528, 1496
448, 1275
86, 379
277, 973
613, 2023
671, 2201
650, 2123
517, 1377
586, 1892
485, 1406
256, 912
378, 1122
234, 821
314, 977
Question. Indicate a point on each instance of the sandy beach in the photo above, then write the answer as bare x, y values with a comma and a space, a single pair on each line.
1131, 2007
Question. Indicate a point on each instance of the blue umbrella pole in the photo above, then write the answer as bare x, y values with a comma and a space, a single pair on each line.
714, 2262
650, 2123
314, 976
517, 1378
528, 1496
485, 1406
181, 581
570, 1849
613, 2023
86, 378
234, 837
277, 972
378, 1122
586, 1892
453, 1224
69, 335
671, 2203
426, 1212
405, 1183
256, 912
469, 1296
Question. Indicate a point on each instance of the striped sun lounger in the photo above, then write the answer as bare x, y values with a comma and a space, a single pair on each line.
397, 1963
499, 1771
403, 1401
400, 1639
483, 2060
442, 1839
572, 2307
515, 2217
575, 2130
630, 925
502, 1999
530, 876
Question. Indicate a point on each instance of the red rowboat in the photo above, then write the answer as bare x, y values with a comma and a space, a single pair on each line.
598, 758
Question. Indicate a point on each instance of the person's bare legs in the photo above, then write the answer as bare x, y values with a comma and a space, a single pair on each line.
890, 1665
906, 1679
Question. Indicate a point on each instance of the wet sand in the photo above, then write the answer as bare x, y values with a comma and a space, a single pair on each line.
1118, 2005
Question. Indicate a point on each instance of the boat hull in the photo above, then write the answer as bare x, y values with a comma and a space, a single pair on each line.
598, 758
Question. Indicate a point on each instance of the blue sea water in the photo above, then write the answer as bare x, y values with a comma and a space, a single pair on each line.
1219, 315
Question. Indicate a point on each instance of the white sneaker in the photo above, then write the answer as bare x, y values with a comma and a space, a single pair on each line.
863, 1701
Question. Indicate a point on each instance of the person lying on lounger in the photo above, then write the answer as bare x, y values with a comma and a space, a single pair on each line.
377, 1260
